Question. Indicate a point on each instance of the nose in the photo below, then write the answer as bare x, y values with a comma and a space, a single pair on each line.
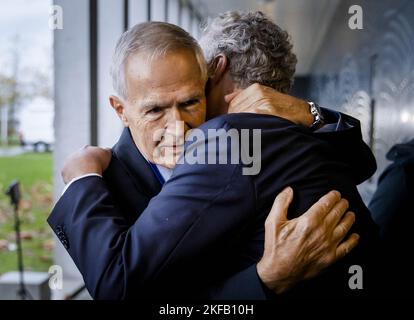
176, 127
177, 119
176, 114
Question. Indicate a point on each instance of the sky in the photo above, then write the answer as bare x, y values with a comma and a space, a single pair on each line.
28, 20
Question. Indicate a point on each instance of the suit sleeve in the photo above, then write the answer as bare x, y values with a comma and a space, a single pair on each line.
389, 200
243, 285
201, 207
344, 133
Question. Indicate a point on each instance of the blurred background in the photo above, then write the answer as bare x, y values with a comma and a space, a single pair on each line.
54, 87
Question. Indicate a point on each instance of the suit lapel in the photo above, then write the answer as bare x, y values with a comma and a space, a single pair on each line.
136, 165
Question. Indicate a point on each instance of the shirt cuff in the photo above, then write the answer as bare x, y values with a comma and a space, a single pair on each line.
78, 178
334, 121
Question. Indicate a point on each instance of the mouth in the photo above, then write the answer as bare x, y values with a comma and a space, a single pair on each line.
172, 146
172, 150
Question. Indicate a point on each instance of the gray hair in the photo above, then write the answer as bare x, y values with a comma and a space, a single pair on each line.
258, 50
156, 39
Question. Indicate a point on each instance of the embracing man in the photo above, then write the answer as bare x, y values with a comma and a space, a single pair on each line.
137, 229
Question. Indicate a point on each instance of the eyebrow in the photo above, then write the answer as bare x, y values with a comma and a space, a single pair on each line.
194, 97
148, 105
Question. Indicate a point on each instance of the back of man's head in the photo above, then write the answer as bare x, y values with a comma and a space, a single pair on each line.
258, 50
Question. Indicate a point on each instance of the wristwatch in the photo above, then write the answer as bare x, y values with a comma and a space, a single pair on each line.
317, 115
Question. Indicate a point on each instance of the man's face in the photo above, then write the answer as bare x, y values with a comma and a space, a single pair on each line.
163, 93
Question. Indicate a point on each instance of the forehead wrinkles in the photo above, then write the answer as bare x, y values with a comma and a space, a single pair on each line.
173, 78
170, 67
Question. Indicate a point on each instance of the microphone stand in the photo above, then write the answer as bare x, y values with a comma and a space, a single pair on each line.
13, 191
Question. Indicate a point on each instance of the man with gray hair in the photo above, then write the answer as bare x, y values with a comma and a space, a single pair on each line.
252, 49
205, 226
244, 49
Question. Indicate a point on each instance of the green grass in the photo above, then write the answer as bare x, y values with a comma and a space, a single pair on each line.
13, 141
34, 171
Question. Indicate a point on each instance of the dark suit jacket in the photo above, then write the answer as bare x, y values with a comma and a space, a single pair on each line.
207, 222
393, 210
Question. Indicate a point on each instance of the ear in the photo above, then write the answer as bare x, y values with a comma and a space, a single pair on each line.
118, 105
218, 68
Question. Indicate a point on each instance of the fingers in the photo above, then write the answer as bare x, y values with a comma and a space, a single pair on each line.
229, 97
346, 247
280, 207
324, 205
254, 99
88, 159
336, 213
245, 98
343, 227
239, 102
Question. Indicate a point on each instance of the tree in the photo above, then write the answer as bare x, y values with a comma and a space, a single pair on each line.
15, 90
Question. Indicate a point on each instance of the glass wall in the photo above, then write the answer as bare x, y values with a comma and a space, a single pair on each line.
179, 12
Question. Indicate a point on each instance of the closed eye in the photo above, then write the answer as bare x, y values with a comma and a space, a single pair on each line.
154, 110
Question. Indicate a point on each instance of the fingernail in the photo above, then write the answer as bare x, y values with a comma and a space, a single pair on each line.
337, 193
288, 190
